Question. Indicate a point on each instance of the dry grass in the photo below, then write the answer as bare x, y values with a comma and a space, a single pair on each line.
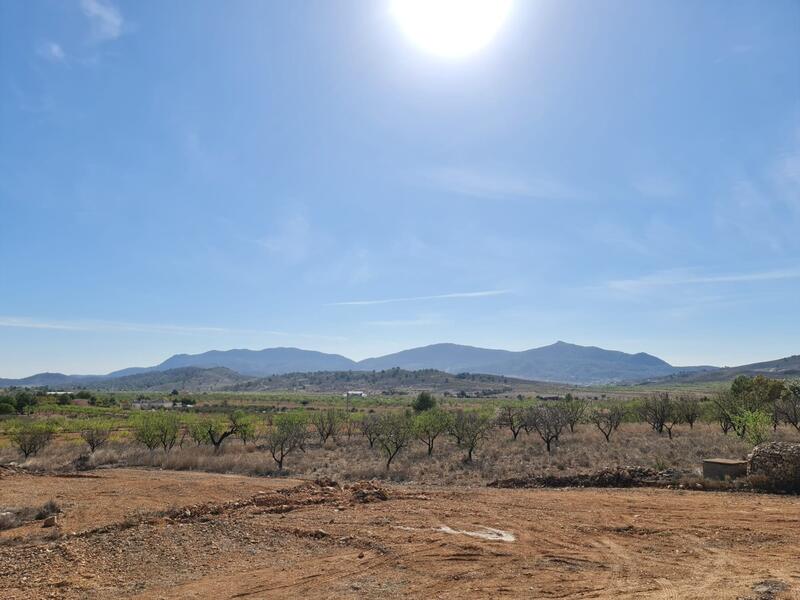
498, 457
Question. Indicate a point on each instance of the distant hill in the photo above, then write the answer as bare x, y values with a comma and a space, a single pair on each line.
782, 368
258, 363
560, 362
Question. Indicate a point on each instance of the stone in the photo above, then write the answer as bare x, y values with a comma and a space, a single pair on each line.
775, 465
50, 521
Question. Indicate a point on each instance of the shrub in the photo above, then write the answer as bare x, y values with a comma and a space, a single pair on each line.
424, 401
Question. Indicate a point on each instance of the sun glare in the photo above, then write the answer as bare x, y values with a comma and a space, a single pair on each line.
451, 28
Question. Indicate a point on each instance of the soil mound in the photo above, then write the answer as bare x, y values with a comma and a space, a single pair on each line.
613, 477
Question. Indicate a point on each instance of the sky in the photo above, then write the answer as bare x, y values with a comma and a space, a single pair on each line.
180, 177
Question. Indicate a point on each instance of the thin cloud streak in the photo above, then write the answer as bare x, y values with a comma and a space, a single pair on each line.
498, 186
481, 294
672, 278
121, 326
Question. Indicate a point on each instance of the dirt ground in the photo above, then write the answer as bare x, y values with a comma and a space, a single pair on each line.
128, 533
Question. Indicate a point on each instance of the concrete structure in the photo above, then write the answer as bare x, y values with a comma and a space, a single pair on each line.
724, 468
355, 394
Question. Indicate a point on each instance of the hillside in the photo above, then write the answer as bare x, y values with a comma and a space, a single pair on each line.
193, 379
391, 381
782, 368
559, 362
257, 363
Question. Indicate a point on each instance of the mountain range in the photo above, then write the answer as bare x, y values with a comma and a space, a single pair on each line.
559, 362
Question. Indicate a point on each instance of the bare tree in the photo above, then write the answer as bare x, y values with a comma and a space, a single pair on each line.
789, 405
548, 421
369, 426
32, 437
512, 417
95, 432
574, 411
326, 423
656, 410
607, 420
688, 407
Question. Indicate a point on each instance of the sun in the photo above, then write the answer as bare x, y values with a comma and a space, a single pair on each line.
451, 28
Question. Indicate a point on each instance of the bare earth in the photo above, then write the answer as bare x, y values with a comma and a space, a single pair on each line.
127, 533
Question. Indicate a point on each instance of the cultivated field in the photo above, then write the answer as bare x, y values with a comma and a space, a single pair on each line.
128, 533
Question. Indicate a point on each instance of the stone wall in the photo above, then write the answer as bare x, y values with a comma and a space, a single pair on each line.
777, 465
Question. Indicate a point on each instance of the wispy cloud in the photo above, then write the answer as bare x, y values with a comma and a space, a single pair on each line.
105, 19
491, 185
763, 207
291, 241
658, 186
480, 294
51, 51
100, 326
418, 322
679, 277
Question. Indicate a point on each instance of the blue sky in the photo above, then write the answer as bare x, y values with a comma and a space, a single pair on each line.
178, 177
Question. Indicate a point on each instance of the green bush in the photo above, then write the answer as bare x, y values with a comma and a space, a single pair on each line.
424, 401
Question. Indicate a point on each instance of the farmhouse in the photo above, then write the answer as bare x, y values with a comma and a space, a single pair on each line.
354, 394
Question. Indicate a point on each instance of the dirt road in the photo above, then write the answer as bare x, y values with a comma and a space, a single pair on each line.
160, 534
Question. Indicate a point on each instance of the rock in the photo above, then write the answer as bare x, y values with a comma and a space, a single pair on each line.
50, 521
775, 465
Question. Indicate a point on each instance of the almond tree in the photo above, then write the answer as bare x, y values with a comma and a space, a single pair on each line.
689, 409
607, 420
288, 433
326, 423
789, 405
394, 434
574, 411
95, 432
369, 426
512, 417
548, 421
429, 425
469, 429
